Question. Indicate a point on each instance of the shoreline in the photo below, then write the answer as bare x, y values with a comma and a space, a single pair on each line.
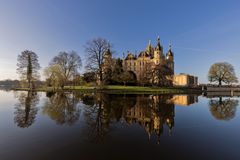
121, 89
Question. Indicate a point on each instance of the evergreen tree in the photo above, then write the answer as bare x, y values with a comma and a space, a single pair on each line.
28, 67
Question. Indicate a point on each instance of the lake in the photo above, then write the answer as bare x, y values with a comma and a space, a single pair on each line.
75, 125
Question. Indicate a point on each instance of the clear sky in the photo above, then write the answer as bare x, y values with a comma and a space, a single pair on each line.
201, 31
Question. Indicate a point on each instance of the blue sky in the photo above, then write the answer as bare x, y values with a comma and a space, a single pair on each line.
201, 32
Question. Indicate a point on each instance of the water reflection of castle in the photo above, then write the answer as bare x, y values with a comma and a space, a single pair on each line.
151, 115
101, 111
184, 100
153, 112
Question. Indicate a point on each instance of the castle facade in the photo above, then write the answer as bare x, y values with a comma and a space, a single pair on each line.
148, 59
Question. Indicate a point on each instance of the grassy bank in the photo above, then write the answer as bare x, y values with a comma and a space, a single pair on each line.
123, 89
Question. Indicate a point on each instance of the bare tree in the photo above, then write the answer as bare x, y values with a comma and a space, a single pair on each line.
95, 54
63, 108
28, 67
69, 63
222, 72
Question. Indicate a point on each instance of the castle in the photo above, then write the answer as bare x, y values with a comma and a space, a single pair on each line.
148, 60
151, 66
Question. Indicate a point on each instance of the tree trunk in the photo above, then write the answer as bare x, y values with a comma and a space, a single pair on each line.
220, 100
219, 82
29, 84
100, 77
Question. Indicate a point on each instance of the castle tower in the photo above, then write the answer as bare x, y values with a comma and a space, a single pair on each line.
107, 55
158, 52
149, 47
158, 47
107, 63
170, 58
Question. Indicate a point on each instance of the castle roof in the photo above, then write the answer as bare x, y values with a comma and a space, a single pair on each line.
143, 54
108, 52
149, 52
170, 53
130, 56
158, 47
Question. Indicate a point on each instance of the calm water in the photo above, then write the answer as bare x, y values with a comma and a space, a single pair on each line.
106, 126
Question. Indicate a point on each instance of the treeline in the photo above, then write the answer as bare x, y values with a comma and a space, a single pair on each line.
100, 68
63, 69
15, 83
9, 82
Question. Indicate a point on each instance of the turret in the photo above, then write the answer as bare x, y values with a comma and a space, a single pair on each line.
158, 47
170, 58
108, 52
158, 55
169, 54
107, 57
149, 46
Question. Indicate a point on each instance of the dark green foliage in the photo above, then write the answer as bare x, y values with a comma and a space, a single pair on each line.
28, 67
26, 110
89, 77
117, 71
128, 78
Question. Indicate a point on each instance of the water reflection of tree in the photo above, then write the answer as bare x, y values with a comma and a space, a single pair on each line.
62, 108
101, 111
26, 110
223, 109
150, 112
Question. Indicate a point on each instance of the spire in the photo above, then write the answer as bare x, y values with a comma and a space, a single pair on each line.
109, 46
149, 43
108, 52
149, 47
158, 44
170, 46
170, 53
